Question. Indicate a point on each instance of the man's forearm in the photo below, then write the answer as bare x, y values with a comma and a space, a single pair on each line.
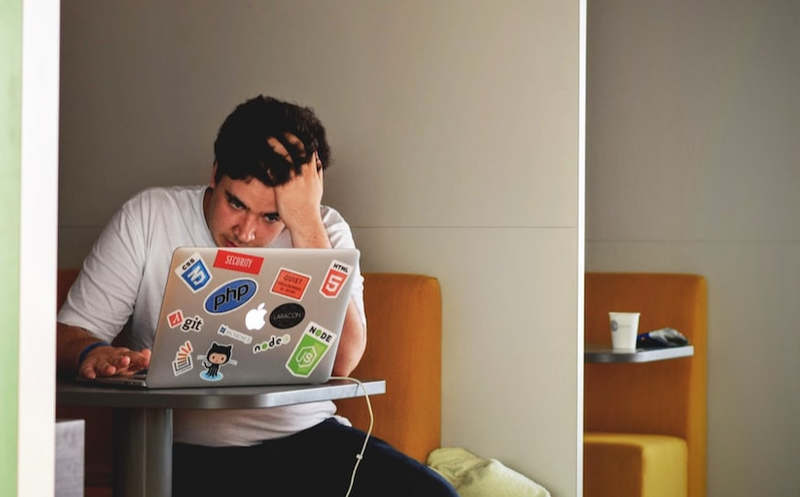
70, 342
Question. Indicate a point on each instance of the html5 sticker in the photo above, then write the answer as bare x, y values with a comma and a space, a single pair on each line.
335, 279
290, 284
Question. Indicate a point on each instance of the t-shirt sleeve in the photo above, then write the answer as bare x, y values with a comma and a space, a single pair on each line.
103, 296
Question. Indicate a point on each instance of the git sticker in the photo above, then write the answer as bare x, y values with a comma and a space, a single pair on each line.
335, 278
290, 284
194, 273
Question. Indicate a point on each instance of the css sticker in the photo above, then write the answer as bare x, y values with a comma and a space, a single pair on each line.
335, 279
183, 359
194, 273
309, 351
230, 296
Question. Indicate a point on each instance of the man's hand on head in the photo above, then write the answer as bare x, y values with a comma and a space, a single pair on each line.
299, 199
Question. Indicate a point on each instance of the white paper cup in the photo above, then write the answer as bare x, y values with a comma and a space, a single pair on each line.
624, 328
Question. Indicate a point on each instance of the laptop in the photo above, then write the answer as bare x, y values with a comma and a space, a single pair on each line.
248, 316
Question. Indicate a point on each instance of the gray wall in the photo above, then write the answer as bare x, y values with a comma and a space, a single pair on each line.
693, 164
456, 129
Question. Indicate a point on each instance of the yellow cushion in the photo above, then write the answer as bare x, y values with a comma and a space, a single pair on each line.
634, 465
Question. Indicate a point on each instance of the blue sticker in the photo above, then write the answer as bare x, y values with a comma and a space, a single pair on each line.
194, 272
230, 296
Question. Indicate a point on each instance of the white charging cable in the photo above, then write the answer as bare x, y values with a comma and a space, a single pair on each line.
360, 455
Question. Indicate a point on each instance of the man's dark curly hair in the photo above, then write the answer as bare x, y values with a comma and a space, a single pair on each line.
241, 150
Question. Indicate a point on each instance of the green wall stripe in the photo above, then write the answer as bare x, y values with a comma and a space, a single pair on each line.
10, 162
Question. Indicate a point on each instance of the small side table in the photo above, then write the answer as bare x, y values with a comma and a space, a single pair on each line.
605, 354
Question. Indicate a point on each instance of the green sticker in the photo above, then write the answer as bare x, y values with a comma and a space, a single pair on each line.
310, 350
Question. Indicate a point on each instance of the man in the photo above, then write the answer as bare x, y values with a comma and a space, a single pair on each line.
265, 191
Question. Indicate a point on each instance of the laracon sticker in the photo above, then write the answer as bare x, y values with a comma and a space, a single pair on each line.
230, 296
194, 273
287, 315
236, 261
335, 279
183, 359
310, 350
290, 284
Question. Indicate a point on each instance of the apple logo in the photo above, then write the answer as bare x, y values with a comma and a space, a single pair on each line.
254, 320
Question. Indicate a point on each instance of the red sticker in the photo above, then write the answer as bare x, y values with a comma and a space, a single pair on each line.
290, 284
335, 279
236, 261
175, 318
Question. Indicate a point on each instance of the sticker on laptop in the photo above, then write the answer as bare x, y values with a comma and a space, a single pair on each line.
335, 279
287, 316
227, 331
175, 318
218, 355
183, 359
290, 284
230, 296
309, 351
194, 273
236, 261
254, 319
273, 343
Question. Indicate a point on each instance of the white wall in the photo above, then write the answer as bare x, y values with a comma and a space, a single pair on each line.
693, 164
456, 130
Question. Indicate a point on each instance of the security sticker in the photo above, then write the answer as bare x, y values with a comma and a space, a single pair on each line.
335, 278
224, 330
218, 355
194, 273
183, 359
234, 261
290, 284
175, 318
310, 350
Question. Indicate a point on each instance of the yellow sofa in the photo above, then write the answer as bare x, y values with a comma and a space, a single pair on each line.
645, 423
404, 317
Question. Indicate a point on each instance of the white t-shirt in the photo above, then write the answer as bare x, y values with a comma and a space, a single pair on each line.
123, 279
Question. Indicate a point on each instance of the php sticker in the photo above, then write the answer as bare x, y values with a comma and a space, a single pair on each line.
230, 296
335, 278
194, 273
290, 284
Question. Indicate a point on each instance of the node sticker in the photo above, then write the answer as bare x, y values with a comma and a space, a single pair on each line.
335, 278
310, 350
183, 359
194, 273
272, 343
290, 284
235, 261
